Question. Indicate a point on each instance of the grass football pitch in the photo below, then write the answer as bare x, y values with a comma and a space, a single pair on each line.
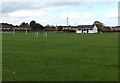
60, 57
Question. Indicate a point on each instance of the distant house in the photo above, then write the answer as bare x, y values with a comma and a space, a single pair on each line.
86, 29
15, 28
68, 27
21, 28
107, 28
116, 28
5, 28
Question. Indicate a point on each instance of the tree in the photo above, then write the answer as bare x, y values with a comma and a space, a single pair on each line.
60, 28
33, 25
36, 26
39, 26
99, 25
47, 27
26, 25
6, 25
22, 24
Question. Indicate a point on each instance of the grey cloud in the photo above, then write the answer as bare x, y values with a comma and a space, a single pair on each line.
8, 7
64, 3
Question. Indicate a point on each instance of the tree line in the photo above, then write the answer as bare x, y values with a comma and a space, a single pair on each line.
35, 26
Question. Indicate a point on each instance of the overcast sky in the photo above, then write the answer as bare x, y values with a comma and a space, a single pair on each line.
55, 12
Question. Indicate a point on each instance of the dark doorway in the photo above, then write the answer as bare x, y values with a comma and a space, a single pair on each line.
87, 30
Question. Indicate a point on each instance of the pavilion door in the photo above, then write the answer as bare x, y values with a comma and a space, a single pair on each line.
82, 30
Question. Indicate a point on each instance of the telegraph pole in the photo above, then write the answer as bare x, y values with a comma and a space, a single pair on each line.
67, 21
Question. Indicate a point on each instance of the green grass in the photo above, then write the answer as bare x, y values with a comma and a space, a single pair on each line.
60, 57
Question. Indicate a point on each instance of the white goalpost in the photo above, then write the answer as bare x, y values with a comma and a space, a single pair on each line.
20, 29
36, 34
13, 31
26, 31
